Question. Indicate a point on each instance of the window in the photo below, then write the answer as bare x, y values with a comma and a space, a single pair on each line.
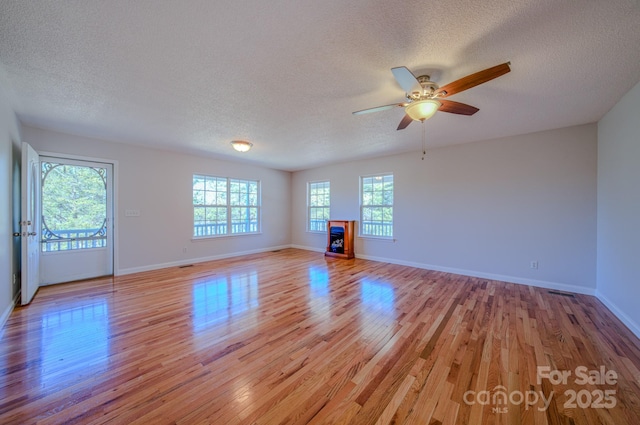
318, 202
244, 206
376, 206
223, 206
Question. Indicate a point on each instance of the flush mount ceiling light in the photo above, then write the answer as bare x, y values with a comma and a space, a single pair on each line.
241, 145
422, 109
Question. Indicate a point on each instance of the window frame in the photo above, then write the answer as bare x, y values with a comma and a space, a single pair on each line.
228, 206
312, 207
363, 206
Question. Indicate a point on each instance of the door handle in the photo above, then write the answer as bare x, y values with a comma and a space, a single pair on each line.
16, 234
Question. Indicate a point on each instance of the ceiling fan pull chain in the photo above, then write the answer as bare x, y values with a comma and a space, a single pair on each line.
424, 142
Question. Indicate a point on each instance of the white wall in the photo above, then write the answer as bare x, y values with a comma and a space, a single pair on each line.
618, 275
159, 184
9, 167
484, 209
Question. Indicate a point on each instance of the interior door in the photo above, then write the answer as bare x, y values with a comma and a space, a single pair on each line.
30, 223
77, 224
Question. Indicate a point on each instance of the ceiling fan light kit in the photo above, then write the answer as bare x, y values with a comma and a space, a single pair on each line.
422, 109
425, 97
241, 145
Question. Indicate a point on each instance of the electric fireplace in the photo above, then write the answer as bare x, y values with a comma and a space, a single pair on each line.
340, 238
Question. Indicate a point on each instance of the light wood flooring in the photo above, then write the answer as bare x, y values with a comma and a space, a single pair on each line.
292, 337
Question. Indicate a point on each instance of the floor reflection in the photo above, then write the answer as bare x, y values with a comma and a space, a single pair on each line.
75, 341
377, 307
218, 299
319, 302
319, 281
378, 296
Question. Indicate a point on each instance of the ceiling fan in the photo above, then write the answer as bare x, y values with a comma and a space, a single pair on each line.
424, 97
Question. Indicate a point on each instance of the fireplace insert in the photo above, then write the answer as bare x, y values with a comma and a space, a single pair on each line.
337, 239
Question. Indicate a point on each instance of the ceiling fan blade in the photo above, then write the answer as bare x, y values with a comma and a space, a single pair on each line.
456, 107
474, 80
379, 108
406, 79
406, 120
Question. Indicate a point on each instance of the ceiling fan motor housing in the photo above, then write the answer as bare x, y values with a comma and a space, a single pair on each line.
428, 89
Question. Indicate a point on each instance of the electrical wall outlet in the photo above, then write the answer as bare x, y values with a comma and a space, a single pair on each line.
132, 213
534, 264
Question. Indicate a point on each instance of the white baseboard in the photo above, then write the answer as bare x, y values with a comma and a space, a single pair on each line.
503, 278
629, 322
186, 261
308, 248
7, 312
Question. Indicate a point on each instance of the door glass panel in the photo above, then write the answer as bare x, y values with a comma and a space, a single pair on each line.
74, 207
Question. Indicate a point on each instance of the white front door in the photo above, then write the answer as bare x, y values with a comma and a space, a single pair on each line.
77, 223
30, 223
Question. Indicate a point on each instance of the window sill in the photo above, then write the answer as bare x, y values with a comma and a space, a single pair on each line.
378, 238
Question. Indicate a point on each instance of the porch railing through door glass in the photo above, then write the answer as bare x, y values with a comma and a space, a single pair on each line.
75, 239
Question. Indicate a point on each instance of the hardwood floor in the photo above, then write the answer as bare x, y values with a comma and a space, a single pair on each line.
292, 337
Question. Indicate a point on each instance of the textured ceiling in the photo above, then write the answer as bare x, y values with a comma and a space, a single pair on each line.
192, 75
